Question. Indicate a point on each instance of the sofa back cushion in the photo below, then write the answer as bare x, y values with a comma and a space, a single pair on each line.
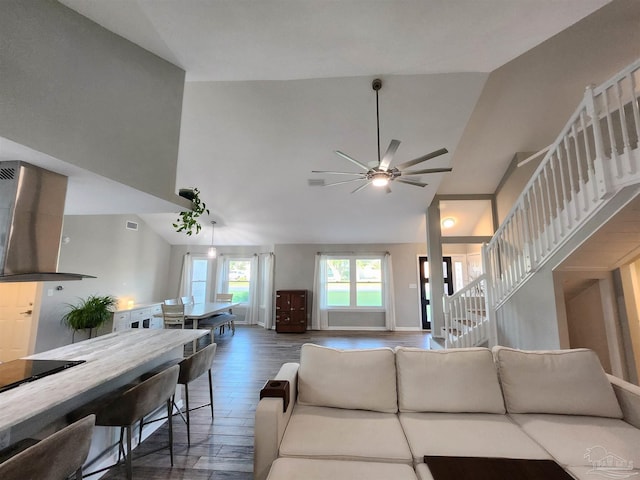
456, 380
566, 382
353, 379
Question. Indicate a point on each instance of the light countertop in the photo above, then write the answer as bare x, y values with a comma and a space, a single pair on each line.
112, 360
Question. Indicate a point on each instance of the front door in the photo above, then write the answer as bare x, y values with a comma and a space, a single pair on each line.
423, 265
17, 330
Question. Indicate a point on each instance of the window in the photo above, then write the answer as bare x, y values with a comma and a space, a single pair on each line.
237, 278
354, 282
199, 274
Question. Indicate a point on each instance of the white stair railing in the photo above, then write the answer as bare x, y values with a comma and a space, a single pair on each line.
466, 318
595, 155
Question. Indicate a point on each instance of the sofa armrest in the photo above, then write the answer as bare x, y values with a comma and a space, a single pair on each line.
628, 396
271, 422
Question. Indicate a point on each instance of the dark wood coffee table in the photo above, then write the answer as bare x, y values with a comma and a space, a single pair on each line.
482, 468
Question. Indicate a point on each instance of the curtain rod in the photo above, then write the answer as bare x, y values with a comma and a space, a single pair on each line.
353, 253
241, 254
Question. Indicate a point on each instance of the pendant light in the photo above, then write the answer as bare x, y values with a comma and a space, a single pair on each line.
212, 250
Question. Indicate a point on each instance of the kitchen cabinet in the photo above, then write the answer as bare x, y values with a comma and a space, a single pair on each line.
291, 311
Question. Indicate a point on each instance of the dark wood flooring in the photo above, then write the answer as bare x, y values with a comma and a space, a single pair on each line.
223, 449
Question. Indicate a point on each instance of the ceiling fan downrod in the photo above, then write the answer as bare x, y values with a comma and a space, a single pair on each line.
377, 85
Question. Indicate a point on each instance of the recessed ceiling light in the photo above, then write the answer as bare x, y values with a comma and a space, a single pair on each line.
448, 222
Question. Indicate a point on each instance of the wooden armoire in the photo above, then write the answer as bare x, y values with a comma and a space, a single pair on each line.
291, 311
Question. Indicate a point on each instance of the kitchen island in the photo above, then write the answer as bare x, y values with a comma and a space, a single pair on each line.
111, 361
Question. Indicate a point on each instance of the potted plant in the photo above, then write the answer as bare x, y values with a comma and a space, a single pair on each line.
187, 221
89, 314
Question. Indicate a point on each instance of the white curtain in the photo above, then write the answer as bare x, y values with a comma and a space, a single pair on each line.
184, 289
389, 295
319, 314
253, 312
222, 276
266, 290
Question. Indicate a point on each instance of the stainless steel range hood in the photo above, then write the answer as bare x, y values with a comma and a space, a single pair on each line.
31, 216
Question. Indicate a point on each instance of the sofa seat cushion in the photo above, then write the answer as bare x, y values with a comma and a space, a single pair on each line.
602, 472
454, 373
351, 379
575, 440
467, 435
310, 469
564, 382
333, 433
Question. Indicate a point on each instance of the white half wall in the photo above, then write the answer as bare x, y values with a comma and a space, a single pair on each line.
77, 92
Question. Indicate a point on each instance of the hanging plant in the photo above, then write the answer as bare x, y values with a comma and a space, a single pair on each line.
188, 220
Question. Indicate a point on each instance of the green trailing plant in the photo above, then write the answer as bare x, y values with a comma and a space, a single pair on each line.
187, 221
89, 314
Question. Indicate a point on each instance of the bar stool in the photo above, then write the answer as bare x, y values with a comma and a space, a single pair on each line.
53, 458
126, 406
191, 368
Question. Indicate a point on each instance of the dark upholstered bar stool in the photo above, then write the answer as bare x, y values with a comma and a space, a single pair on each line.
54, 458
191, 368
125, 407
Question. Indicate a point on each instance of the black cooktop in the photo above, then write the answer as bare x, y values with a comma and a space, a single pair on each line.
17, 372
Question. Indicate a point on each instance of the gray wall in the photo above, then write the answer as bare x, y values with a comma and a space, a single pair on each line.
585, 319
295, 269
77, 92
513, 183
130, 265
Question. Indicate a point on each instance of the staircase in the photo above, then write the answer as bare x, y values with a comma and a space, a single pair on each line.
466, 322
594, 157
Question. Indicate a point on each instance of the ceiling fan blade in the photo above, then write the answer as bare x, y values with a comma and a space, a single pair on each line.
424, 158
412, 182
388, 156
335, 173
427, 170
344, 181
353, 160
361, 187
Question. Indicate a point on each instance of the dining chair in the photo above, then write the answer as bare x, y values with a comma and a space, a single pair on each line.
172, 301
192, 368
173, 315
126, 406
187, 300
224, 297
56, 457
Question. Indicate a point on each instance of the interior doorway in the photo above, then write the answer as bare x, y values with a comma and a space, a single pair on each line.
423, 268
18, 319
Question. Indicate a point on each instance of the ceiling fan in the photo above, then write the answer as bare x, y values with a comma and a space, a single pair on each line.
382, 174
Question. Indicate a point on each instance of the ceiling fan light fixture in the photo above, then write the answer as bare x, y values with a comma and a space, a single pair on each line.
380, 180
380, 173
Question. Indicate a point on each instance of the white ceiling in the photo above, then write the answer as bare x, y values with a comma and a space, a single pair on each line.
215, 40
273, 87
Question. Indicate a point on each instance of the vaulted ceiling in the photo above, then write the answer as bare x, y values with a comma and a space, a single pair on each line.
274, 87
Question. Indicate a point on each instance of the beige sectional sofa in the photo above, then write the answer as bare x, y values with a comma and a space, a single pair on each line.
374, 414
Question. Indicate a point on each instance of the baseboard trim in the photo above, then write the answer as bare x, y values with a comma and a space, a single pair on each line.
355, 328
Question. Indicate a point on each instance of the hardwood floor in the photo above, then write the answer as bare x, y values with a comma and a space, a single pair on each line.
223, 449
